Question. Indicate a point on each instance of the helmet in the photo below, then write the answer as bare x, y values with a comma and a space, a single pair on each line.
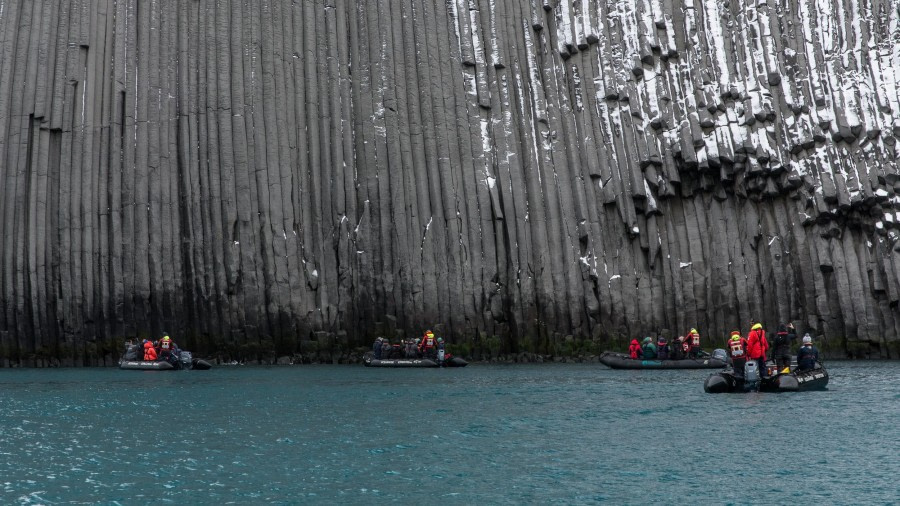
166, 338
735, 338
647, 340
757, 326
807, 339
429, 333
440, 339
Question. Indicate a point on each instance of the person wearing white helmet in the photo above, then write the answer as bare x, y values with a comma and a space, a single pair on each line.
808, 355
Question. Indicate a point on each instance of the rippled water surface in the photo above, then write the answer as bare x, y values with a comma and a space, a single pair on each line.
483, 434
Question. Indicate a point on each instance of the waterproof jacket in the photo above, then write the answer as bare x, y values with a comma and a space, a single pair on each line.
757, 345
634, 351
781, 345
807, 357
649, 350
662, 349
149, 351
376, 349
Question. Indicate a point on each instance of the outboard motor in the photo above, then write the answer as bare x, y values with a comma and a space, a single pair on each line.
720, 354
751, 371
186, 359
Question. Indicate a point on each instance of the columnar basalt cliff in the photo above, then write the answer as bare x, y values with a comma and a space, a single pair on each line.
297, 176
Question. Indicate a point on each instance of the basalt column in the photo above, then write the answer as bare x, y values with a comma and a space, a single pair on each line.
294, 177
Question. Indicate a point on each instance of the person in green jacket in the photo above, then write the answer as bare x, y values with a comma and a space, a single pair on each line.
649, 349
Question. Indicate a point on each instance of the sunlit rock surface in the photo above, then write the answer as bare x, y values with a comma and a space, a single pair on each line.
299, 176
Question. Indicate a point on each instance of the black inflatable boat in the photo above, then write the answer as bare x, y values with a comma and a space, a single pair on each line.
616, 360
795, 381
369, 360
182, 360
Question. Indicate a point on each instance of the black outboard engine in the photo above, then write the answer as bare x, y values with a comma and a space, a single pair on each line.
186, 358
720, 354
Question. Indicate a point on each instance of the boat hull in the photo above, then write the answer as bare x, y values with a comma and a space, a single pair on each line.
370, 361
728, 382
622, 361
182, 360
146, 365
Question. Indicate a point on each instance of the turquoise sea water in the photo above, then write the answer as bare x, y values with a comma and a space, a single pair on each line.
559, 433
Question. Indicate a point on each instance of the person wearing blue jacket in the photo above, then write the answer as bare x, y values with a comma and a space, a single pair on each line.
808, 355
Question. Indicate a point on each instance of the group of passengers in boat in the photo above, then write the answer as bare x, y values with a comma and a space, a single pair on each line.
427, 346
151, 351
755, 347
686, 346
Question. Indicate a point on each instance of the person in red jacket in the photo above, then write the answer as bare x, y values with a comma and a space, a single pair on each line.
693, 340
737, 350
149, 351
757, 346
634, 350
427, 346
685, 346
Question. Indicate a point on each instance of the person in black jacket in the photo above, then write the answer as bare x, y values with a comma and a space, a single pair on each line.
808, 356
781, 349
376, 348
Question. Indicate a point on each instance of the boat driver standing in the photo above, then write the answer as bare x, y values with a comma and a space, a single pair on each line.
166, 347
737, 348
427, 347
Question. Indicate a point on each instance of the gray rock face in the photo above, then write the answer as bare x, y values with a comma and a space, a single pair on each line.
283, 178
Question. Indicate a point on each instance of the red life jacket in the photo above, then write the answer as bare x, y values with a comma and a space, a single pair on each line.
695, 340
149, 352
165, 344
737, 349
685, 345
428, 342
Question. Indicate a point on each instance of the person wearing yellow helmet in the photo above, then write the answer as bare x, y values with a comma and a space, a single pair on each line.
427, 346
166, 345
757, 345
693, 343
737, 350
